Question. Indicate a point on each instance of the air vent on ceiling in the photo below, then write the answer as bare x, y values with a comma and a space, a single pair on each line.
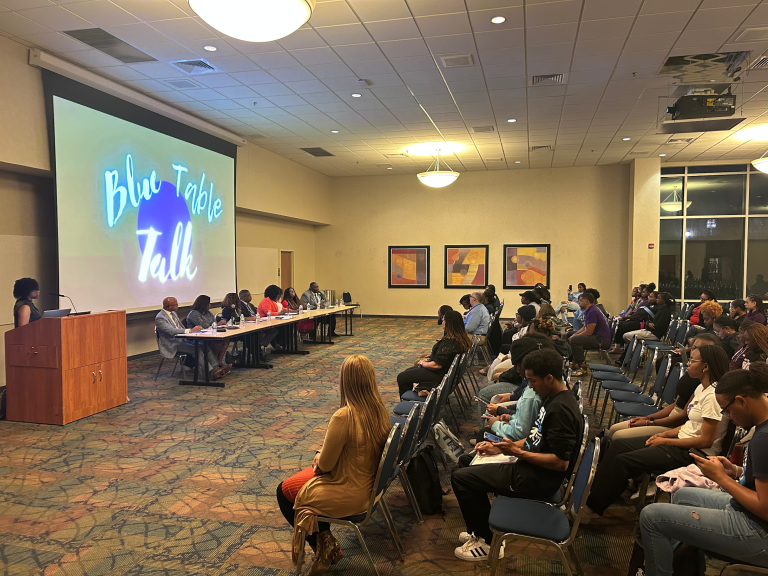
541, 148
398, 155
760, 63
639, 153
111, 45
317, 152
753, 35
547, 79
182, 84
198, 66
384, 166
680, 140
457, 61
494, 159
480, 129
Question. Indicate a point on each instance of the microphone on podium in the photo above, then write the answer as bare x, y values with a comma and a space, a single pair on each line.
63, 296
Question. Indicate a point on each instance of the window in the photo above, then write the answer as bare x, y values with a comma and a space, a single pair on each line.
713, 231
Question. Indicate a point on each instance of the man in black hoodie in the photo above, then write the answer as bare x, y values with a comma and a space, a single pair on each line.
655, 327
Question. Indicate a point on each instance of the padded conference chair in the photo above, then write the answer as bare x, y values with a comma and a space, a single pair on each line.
380, 484
404, 453
178, 357
542, 523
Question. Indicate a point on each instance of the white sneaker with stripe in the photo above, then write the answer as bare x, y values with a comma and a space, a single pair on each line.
475, 550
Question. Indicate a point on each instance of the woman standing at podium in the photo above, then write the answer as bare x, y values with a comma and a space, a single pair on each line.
24, 311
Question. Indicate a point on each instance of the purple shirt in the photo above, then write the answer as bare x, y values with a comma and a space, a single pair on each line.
755, 316
594, 316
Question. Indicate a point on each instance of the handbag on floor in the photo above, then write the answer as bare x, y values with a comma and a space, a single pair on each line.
425, 481
447, 442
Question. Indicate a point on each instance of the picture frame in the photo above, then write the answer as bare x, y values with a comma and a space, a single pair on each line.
526, 265
465, 266
408, 266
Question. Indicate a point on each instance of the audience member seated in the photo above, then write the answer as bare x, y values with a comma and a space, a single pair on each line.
738, 311
246, 308
441, 313
725, 329
732, 521
168, 325
594, 335
571, 304
633, 303
496, 301
489, 301
523, 317
429, 371
658, 322
231, 308
754, 345
340, 480
464, 303
270, 306
645, 312
529, 297
694, 316
24, 310
755, 309
201, 315
672, 415
547, 327
292, 302
709, 311
541, 291
477, 318
599, 305
544, 459
314, 299
631, 457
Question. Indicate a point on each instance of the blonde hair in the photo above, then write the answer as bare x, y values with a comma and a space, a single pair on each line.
359, 392
545, 310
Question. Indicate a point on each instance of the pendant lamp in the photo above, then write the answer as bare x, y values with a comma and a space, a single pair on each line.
438, 178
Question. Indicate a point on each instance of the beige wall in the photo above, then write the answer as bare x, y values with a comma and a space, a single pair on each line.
581, 212
643, 221
23, 131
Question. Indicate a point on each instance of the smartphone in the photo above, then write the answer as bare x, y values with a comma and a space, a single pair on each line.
698, 453
492, 437
570, 287
483, 402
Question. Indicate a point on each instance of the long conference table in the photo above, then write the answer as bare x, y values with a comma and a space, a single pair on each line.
249, 335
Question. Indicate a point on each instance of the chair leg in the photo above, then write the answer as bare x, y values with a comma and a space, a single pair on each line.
365, 548
175, 365
300, 558
159, 367
564, 560
605, 405
453, 416
392, 529
644, 481
408, 489
493, 554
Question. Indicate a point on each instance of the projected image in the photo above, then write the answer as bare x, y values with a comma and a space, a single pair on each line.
141, 215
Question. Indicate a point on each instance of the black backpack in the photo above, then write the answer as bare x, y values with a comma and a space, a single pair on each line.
422, 473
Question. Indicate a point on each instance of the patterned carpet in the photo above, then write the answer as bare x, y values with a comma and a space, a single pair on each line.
181, 480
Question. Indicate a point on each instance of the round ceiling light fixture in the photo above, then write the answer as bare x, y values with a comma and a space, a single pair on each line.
356, 95
437, 178
210, 48
759, 132
334, 131
254, 20
512, 120
498, 20
625, 139
761, 164
662, 155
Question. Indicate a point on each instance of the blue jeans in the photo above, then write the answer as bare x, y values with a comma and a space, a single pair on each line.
489, 392
713, 524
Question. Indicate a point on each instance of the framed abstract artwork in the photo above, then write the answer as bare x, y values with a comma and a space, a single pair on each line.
526, 265
466, 266
409, 266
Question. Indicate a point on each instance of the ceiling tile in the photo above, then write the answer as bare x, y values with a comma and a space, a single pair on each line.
400, 29
302, 39
719, 17
342, 35
307, 87
138, 35
255, 77
648, 42
270, 60
169, 52
291, 74
458, 44
359, 52
183, 29
422, 77
237, 92
562, 12
444, 25
657, 23
597, 9
233, 64
316, 56
373, 10
555, 34
217, 80
94, 58
432, 7
15, 23
500, 57
607, 28
56, 18
151, 10
102, 13
550, 52
481, 20
372, 67
323, 71
500, 40
122, 73
599, 47
55, 41
268, 90
156, 70
332, 14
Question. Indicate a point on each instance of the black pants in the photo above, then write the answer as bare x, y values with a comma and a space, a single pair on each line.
623, 328
471, 485
504, 349
581, 343
629, 458
417, 375
286, 507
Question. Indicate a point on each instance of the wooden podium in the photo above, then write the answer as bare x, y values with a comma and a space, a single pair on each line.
62, 369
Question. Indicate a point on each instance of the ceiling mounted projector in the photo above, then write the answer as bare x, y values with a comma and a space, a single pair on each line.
254, 20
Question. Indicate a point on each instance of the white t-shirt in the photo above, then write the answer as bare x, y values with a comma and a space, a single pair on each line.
703, 405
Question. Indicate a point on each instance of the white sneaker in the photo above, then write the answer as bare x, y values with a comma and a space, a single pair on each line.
464, 537
650, 491
475, 550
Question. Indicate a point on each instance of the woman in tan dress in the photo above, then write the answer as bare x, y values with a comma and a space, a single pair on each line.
340, 481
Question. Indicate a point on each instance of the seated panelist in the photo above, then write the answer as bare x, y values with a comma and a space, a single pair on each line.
271, 306
201, 315
246, 308
314, 299
24, 310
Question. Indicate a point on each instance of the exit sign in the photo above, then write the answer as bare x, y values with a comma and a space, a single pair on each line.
651, 246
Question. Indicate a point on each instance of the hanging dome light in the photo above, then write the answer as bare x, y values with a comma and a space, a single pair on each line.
437, 178
673, 203
254, 20
761, 164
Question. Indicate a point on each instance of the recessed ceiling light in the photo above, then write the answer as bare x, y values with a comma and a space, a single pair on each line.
389, 167
498, 20
662, 155
517, 161
334, 131
512, 120
625, 139
356, 95
431, 148
210, 48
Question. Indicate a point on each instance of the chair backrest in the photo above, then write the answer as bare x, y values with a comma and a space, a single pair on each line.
473, 349
670, 388
633, 345
582, 448
386, 465
649, 364
637, 356
682, 330
427, 413
672, 331
661, 375
409, 433
584, 476
445, 390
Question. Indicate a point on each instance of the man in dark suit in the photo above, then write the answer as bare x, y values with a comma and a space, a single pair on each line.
168, 325
246, 307
315, 299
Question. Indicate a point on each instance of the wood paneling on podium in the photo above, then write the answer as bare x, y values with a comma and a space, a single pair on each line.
62, 369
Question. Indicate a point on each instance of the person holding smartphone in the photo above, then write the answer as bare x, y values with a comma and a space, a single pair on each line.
733, 522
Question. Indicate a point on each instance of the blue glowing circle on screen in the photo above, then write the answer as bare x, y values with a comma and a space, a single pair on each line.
163, 212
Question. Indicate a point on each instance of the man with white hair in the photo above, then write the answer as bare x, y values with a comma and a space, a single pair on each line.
477, 318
